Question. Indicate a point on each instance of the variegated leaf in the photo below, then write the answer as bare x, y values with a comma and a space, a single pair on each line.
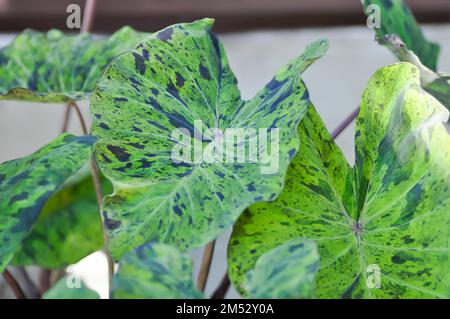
175, 77
386, 221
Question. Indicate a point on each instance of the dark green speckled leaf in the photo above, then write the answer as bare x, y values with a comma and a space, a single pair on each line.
174, 77
437, 84
54, 67
69, 227
28, 182
286, 271
61, 290
391, 210
397, 18
155, 271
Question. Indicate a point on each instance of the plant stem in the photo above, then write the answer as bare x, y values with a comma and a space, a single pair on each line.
205, 266
88, 15
223, 287
30, 287
341, 127
44, 280
66, 118
14, 285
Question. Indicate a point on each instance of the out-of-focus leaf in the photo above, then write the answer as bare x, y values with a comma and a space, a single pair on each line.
69, 227
27, 183
397, 18
55, 67
66, 288
155, 271
286, 271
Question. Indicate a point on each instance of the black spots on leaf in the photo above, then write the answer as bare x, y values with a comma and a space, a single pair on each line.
251, 187
98, 116
398, 260
139, 63
180, 79
407, 239
119, 153
145, 163
172, 90
190, 220
136, 129
120, 99
295, 247
156, 124
387, 4
165, 35
145, 54
110, 223
2, 177
220, 174
220, 196
18, 197
137, 145
152, 101
177, 210
105, 158
305, 95
349, 292
272, 196
154, 91
258, 198
19, 177
104, 126
291, 153
3, 59
187, 173
204, 72
274, 84
253, 251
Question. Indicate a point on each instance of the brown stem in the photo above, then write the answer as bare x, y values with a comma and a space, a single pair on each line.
66, 119
223, 287
88, 15
14, 285
205, 266
29, 285
341, 127
44, 280
75, 106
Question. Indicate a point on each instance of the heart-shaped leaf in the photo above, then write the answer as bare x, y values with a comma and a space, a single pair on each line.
54, 67
287, 271
69, 227
70, 288
173, 79
27, 183
395, 17
382, 228
155, 271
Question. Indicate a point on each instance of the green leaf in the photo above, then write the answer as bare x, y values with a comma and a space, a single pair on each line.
155, 271
61, 290
286, 271
436, 84
173, 78
392, 210
397, 18
54, 67
27, 183
69, 227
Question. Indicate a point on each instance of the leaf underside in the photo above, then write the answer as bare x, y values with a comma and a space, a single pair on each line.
174, 77
397, 18
53, 67
155, 271
392, 210
28, 182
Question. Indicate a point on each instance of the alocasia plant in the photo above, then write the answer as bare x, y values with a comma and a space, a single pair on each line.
173, 78
54, 67
155, 270
27, 183
391, 211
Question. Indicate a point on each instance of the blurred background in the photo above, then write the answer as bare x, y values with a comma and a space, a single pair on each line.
259, 36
